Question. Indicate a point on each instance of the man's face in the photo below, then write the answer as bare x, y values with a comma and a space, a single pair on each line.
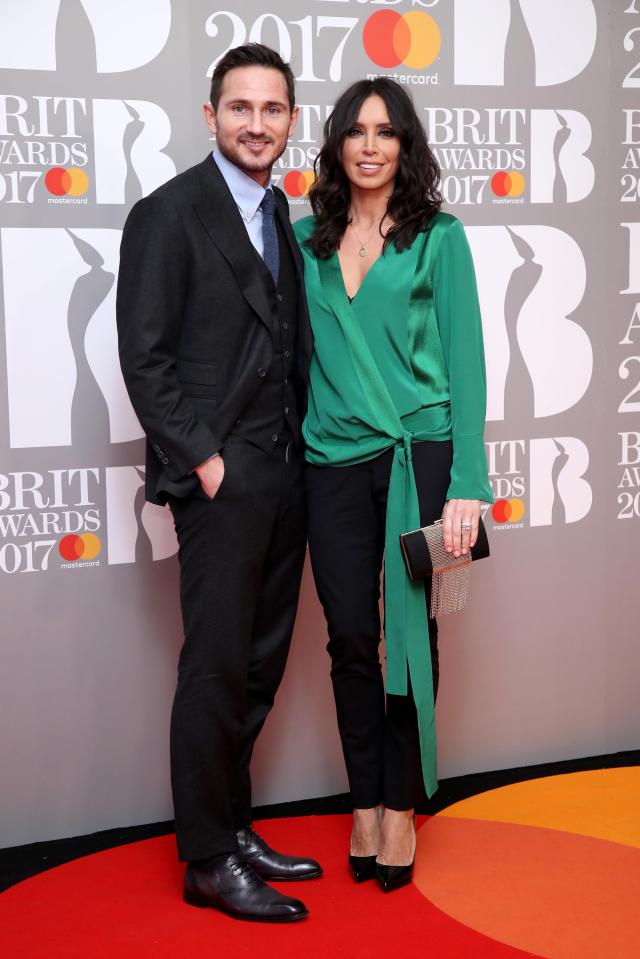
253, 119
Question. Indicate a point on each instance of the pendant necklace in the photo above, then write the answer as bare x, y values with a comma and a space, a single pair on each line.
363, 245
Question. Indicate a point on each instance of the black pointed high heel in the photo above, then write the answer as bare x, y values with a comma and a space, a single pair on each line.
395, 877
362, 868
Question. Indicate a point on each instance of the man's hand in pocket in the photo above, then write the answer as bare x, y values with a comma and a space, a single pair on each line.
211, 473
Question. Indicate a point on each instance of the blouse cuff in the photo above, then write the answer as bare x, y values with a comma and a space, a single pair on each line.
469, 475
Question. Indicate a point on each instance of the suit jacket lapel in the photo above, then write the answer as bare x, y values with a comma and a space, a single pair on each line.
219, 215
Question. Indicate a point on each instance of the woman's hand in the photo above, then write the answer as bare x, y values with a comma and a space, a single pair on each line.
460, 518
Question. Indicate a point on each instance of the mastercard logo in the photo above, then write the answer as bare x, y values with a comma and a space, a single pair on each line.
508, 184
507, 510
391, 38
70, 182
84, 546
298, 183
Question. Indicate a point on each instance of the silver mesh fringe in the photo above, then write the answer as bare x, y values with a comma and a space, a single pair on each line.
451, 579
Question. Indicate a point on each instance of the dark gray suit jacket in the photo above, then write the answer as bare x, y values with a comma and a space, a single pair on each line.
194, 322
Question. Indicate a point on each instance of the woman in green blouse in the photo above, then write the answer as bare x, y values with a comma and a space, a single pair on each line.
394, 434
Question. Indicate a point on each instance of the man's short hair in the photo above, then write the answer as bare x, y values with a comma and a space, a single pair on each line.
251, 55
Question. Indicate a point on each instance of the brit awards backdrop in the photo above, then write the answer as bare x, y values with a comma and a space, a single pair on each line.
533, 110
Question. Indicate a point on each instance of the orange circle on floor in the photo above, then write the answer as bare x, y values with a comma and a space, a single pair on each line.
549, 866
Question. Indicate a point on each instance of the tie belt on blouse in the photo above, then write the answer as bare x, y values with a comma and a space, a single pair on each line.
407, 640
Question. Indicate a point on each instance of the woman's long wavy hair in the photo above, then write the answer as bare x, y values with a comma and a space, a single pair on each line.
415, 198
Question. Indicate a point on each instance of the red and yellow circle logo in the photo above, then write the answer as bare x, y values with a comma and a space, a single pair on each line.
69, 182
508, 183
507, 510
298, 183
84, 546
391, 38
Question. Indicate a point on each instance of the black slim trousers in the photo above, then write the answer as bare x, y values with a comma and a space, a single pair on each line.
347, 510
241, 557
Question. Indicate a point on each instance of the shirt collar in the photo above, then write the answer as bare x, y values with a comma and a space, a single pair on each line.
245, 191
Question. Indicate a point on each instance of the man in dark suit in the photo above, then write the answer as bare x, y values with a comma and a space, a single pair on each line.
215, 344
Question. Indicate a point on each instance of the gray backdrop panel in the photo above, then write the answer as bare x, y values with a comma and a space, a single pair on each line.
532, 107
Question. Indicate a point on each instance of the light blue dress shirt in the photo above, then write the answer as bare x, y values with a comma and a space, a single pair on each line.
248, 196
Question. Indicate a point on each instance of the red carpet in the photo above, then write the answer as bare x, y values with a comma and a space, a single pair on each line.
545, 868
126, 903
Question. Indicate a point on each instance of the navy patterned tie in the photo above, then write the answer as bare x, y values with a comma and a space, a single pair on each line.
270, 256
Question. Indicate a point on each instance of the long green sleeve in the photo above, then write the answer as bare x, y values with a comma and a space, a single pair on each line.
458, 317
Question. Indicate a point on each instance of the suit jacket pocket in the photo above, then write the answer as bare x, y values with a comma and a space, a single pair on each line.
179, 488
197, 378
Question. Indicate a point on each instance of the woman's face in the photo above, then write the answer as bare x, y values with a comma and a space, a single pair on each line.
371, 147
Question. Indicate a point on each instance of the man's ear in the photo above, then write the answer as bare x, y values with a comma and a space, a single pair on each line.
209, 117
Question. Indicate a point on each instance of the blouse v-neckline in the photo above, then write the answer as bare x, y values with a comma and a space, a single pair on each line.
338, 267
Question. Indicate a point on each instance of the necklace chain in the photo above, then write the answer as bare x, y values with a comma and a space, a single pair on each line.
363, 244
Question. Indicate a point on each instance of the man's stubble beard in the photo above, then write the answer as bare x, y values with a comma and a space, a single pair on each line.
232, 154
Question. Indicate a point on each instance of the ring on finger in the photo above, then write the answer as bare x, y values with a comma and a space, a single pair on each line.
466, 525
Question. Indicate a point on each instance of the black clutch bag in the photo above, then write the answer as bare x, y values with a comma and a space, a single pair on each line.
425, 555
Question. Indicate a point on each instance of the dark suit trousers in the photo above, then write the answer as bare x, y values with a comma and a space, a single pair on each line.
241, 557
347, 510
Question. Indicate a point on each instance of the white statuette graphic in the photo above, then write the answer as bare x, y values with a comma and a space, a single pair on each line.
64, 381
531, 279
560, 171
137, 531
27, 36
127, 33
558, 492
130, 136
554, 41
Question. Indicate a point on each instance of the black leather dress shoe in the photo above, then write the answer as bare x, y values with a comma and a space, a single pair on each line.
362, 867
232, 886
271, 865
393, 877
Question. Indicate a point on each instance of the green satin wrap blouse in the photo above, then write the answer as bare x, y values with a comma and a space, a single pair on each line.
402, 362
